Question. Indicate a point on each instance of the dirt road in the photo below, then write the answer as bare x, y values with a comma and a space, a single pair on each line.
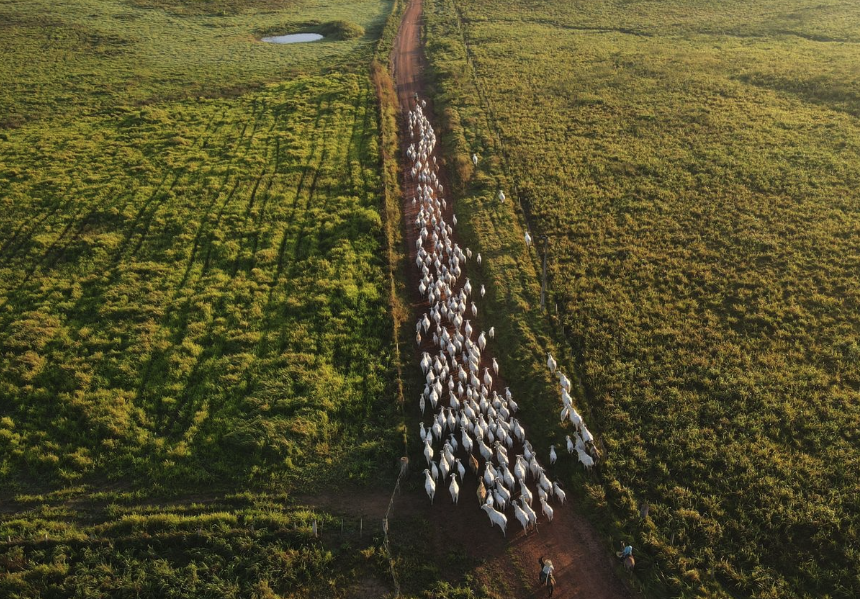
584, 567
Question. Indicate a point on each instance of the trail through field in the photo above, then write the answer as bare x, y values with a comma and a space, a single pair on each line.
583, 567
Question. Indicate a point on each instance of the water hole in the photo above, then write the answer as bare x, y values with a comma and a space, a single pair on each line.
293, 38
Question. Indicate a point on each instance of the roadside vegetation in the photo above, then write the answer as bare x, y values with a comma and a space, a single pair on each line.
242, 545
194, 298
696, 169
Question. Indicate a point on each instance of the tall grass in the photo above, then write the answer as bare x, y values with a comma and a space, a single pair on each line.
194, 298
244, 546
191, 290
695, 167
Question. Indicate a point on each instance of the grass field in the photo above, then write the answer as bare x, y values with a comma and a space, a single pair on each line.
244, 545
194, 296
184, 276
91, 57
696, 166
195, 276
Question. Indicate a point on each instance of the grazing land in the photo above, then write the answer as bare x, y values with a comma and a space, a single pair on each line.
194, 297
181, 277
696, 167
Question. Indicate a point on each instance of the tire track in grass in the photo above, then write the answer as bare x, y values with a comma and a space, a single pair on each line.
357, 141
325, 115
95, 292
183, 172
222, 210
207, 260
62, 209
335, 185
52, 248
18, 291
330, 114
273, 178
144, 219
269, 311
244, 233
364, 135
53, 253
198, 235
174, 422
308, 189
258, 220
185, 410
153, 359
207, 210
338, 188
35, 224
326, 182
317, 136
351, 148
145, 214
256, 116
211, 126
322, 150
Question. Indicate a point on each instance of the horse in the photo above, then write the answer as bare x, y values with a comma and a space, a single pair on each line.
549, 583
629, 563
546, 580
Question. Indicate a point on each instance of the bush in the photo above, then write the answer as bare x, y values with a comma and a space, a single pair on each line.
341, 30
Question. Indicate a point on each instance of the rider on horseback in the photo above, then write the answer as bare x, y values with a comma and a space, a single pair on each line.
546, 569
626, 551
545, 575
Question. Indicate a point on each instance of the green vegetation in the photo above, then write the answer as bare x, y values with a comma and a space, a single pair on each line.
94, 57
204, 278
75, 543
242, 546
696, 166
194, 298
193, 291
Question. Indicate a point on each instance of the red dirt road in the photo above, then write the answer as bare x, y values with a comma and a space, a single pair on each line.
583, 566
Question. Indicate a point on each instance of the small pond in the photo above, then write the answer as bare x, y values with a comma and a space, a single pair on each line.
293, 38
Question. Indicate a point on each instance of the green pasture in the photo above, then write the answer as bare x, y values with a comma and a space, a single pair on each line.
242, 545
192, 290
696, 165
94, 57
194, 299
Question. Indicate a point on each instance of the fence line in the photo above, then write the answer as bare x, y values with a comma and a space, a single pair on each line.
404, 468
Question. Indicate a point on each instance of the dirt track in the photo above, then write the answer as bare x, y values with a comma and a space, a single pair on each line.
584, 568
